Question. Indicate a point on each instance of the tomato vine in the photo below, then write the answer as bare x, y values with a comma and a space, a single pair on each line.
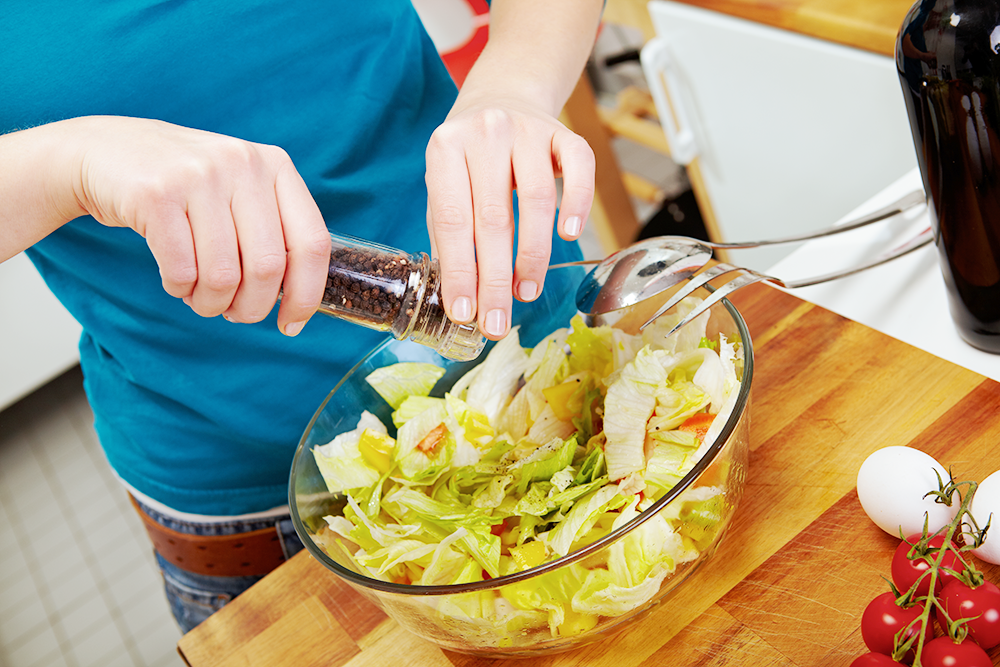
937, 549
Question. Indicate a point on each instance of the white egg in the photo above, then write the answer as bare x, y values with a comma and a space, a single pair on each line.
986, 503
892, 483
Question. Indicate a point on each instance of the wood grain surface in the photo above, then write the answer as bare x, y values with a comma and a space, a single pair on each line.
791, 579
865, 24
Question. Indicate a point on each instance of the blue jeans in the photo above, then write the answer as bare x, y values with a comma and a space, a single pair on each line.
195, 597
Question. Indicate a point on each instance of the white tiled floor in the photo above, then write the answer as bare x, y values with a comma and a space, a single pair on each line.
78, 585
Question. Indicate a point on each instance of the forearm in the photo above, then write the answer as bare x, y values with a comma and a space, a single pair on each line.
37, 189
536, 50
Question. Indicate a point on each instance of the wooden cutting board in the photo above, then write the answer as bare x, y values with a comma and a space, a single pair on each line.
789, 582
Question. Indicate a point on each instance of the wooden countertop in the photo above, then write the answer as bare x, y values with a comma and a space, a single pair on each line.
865, 24
790, 581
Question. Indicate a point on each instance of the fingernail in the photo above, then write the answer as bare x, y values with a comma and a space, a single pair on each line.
293, 328
527, 290
573, 225
461, 309
496, 322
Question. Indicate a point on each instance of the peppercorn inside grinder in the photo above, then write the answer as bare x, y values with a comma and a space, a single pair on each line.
390, 290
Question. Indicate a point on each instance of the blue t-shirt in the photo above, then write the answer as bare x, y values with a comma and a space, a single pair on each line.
198, 413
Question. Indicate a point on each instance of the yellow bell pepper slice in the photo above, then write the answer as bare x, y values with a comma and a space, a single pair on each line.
376, 448
528, 555
565, 399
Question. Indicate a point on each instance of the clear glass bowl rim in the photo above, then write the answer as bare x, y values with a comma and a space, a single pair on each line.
489, 584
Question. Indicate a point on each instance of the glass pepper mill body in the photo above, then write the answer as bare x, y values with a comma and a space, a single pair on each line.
390, 290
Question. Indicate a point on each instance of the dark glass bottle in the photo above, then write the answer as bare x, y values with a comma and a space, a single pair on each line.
948, 58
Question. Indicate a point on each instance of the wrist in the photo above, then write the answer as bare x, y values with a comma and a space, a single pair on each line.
59, 158
38, 184
525, 92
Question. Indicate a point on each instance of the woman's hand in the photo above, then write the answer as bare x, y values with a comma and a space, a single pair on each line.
228, 221
483, 151
502, 134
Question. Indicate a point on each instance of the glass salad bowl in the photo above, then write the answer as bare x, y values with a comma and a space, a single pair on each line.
597, 557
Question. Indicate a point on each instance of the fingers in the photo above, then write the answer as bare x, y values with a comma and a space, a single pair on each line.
472, 165
451, 225
217, 253
576, 161
491, 179
308, 244
172, 245
284, 245
536, 200
261, 255
249, 231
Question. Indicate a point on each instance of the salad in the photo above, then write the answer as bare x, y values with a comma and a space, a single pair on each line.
529, 456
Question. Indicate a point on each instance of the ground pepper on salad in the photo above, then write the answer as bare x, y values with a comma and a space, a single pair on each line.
531, 455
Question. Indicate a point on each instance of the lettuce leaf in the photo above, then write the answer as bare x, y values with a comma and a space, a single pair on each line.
408, 378
341, 463
497, 377
411, 407
551, 592
628, 405
591, 348
545, 461
674, 404
415, 464
582, 518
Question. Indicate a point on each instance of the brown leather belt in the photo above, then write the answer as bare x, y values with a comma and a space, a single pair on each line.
244, 554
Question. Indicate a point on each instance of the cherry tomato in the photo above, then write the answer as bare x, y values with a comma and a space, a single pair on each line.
883, 618
874, 660
944, 652
905, 571
981, 604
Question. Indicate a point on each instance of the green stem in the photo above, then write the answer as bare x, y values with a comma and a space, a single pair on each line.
930, 601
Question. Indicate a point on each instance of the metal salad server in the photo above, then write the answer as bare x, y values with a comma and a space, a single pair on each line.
651, 266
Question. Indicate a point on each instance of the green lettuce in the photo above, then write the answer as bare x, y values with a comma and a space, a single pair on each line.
411, 407
341, 463
496, 378
545, 461
629, 404
399, 381
581, 518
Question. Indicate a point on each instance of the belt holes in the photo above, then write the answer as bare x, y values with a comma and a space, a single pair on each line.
180, 559
170, 540
209, 564
202, 547
238, 545
244, 564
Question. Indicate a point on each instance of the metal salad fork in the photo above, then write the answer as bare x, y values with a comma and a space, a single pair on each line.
750, 276
654, 265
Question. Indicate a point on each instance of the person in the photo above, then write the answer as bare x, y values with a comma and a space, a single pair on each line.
170, 167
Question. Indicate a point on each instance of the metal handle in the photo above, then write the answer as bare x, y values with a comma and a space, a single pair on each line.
660, 69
